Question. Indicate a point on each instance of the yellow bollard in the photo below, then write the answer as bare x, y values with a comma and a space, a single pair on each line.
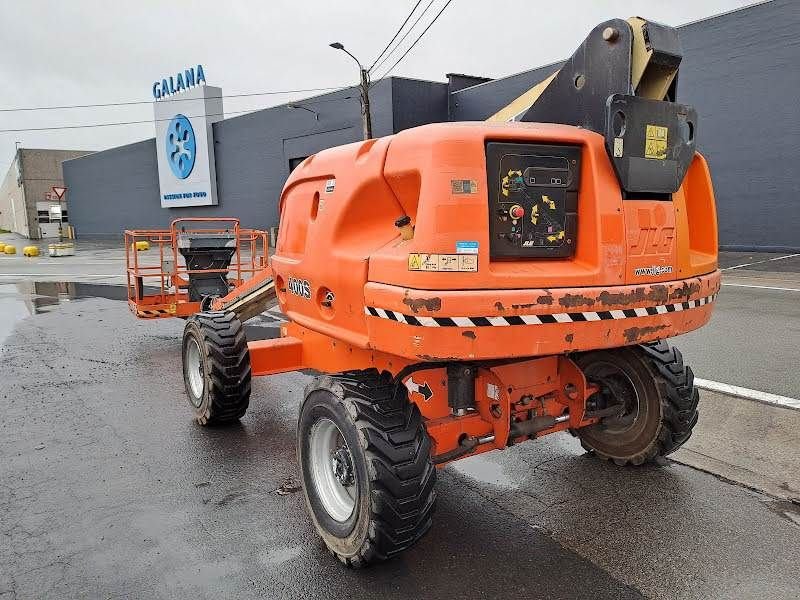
30, 251
140, 245
2, 247
10, 249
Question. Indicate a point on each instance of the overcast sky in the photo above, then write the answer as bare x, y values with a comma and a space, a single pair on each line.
99, 51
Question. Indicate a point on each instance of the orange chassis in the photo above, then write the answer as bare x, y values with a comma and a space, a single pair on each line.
531, 383
520, 350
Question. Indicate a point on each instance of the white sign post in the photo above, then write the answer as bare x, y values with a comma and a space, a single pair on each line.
185, 146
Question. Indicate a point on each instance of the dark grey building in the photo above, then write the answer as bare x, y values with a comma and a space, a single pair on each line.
739, 71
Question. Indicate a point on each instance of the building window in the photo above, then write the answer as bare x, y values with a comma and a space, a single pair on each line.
295, 162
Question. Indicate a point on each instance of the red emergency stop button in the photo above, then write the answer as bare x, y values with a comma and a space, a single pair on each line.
516, 212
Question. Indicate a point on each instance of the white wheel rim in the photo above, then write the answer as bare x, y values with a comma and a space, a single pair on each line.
194, 371
332, 470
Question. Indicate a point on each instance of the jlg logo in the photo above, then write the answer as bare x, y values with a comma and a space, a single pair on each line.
651, 230
300, 287
649, 241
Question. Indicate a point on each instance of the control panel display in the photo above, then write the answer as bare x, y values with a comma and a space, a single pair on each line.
533, 199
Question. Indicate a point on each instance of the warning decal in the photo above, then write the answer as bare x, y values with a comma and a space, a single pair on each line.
655, 142
463, 263
464, 186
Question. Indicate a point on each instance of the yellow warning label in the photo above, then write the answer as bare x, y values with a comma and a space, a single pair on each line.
655, 142
443, 262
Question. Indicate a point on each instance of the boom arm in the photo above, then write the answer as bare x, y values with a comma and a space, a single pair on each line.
621, 83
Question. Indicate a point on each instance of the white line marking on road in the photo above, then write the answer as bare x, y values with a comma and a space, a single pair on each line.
748, 394
762, 287
758, 262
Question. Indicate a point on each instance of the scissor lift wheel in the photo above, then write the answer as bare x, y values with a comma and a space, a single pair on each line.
216, 367
364, 456
656, 397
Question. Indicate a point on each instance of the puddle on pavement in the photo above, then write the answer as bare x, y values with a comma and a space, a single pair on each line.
484, 470
24, 299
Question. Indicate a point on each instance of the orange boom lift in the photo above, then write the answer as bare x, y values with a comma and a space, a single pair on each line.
463, 287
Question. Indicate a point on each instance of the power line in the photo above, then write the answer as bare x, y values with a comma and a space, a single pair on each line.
131, 103
405, 35
417, 40
114, 124
394, 37
226, 113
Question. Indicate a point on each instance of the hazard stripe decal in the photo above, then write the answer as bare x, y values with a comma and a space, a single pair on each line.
572, 317
152, 314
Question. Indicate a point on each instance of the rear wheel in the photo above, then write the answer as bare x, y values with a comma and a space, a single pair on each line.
216, 367
656, 399
364, 456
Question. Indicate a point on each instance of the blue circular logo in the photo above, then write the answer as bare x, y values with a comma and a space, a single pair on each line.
180, 146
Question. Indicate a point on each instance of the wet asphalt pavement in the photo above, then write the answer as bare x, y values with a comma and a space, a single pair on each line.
108, 490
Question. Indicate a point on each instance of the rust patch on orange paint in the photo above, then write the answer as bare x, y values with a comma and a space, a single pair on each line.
656, 293
634, 334
572, 300
685, 291
569, 337
429, 358
430, 304
546, 299
469, 334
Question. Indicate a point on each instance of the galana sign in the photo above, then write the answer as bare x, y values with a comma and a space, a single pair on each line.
182, 81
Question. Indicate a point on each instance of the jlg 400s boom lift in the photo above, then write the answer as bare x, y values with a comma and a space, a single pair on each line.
463, 287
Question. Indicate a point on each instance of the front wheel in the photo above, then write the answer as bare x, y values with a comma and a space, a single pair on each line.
216, 367
656, 399
364, 456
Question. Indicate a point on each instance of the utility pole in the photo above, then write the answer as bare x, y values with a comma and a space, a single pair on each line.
364, 84
366, 117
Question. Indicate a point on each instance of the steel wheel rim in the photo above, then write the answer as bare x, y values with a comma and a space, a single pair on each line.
334, 481
194, 371
616, 382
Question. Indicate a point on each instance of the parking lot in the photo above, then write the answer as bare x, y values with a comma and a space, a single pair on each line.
108, 490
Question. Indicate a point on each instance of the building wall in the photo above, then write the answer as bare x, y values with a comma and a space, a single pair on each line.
13, 216
740, 72
41, 170
480, 102
416, 102
114, 187
117, 189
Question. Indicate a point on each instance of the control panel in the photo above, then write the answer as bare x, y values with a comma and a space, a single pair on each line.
533, 199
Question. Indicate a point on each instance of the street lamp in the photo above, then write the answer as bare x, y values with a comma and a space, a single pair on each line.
364, 85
